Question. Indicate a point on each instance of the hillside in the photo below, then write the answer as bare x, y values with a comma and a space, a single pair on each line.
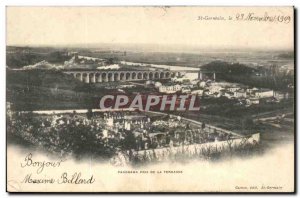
240, 73
17, 57
47, 89
225, 67
42, 78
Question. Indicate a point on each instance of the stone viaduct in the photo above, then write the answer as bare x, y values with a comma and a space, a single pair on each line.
111, 76
116, 75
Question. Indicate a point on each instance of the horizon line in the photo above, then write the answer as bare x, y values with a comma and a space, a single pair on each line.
147, 46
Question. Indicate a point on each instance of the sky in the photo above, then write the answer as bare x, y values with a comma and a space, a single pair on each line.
52, 26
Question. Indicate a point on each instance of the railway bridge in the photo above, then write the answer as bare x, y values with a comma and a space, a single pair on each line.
97, 76
112, 76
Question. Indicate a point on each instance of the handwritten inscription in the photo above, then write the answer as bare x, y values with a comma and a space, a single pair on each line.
75, 178
40, 165
251, 17
263, 18
64, 178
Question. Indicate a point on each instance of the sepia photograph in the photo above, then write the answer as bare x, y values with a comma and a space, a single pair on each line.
154, 99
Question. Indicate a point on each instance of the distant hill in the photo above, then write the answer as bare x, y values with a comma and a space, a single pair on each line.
19, 57
240, 73
288, 55
228, 68
43, 65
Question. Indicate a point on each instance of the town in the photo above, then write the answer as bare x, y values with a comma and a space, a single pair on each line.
131, 113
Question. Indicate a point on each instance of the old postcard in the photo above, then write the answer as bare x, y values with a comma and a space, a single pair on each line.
150, 99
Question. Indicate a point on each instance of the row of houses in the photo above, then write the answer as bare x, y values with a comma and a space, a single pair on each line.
218, 89
250, 95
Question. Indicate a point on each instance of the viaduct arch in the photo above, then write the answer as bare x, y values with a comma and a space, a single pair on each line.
112, 76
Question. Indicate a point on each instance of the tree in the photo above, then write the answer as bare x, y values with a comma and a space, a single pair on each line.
89, 114
129, 141
203, 125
